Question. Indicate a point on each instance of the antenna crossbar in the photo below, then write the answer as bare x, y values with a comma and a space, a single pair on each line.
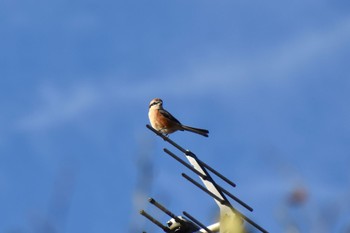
205, 178
165, 210
235, 198
196, 222
211, 188
185, 164
217, 173
189, 153
155, 221
222, 201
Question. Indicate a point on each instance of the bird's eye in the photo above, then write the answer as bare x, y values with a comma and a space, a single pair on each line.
154, 103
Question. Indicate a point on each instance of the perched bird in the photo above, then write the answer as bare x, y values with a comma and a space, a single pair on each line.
165, 123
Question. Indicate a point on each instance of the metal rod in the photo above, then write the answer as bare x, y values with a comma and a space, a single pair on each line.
185, 164
162, 208
205, 177
189, 153
165, 138
224, 202
251, 222
197, 222
203, 189
214, 228
144, 213
217, 173
235, 198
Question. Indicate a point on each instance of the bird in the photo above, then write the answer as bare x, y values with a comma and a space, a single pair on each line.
164, 122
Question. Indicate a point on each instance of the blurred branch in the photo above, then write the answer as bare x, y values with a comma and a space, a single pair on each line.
144, 181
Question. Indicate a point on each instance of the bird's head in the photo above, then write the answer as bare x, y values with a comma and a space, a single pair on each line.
156, 102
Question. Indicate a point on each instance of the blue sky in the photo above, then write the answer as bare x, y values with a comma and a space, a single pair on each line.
269, 80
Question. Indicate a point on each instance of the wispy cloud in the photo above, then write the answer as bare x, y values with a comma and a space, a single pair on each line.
58, 106
275, 65
61, 105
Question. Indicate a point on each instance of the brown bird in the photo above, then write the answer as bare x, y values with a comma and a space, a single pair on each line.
165, 123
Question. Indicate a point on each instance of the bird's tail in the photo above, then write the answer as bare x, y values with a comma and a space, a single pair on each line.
202, 132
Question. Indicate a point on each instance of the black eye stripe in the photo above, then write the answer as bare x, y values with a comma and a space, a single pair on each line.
154, 103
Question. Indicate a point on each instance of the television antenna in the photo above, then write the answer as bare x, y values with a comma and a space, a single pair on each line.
231, 219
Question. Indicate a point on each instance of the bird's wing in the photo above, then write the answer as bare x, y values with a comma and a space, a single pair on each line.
167, 114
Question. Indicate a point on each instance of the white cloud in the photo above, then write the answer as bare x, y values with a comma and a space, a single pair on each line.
278, 63
60, 105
